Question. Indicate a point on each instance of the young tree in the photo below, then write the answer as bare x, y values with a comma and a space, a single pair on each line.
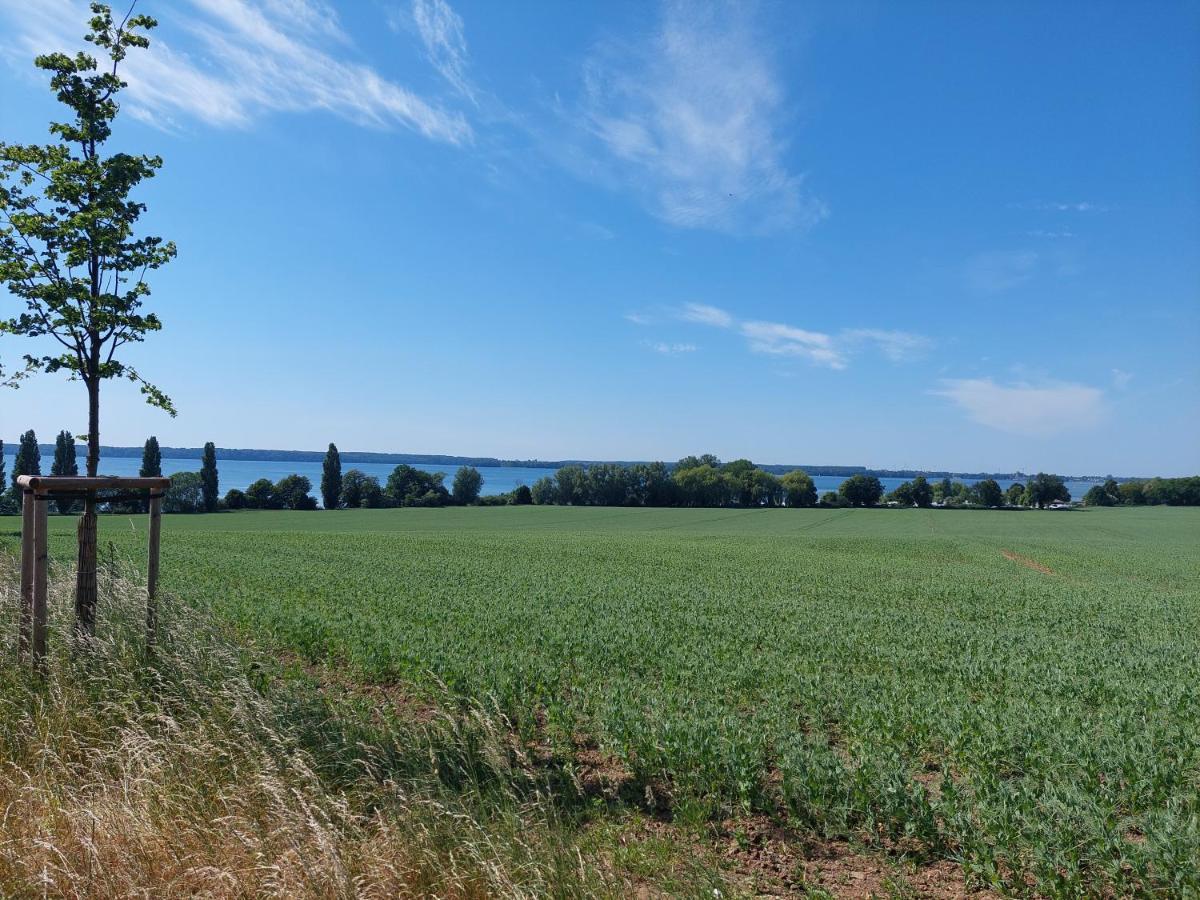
331, 479
235, 498
68, 249
522, 496
64, 464
467, 484
208, 476
151, 459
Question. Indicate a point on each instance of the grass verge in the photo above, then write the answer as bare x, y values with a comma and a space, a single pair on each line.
210, 770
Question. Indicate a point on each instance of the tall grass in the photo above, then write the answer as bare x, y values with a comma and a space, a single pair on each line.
201, 771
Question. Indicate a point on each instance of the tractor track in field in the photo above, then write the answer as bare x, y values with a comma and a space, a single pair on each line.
1027, 562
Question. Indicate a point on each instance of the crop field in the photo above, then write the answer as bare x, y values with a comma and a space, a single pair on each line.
1019, 691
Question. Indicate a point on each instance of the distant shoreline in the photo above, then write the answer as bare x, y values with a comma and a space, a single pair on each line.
352, 456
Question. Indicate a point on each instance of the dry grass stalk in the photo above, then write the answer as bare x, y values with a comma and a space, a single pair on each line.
126, 777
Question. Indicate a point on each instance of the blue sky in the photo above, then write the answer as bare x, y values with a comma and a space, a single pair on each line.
937, 235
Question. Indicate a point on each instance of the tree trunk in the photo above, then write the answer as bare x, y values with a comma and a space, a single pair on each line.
86, 592
93, 457
85, 574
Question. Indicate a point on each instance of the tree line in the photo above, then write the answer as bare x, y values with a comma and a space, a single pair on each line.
697, 481
188, 492
405, 486
353, 489
705, 481
1041, 491
1145, 492
694, 481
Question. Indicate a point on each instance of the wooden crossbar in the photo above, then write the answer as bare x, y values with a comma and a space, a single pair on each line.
51, 484
100, 497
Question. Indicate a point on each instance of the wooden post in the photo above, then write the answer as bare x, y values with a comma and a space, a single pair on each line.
152, 569
25, 627
86, 591
41, 580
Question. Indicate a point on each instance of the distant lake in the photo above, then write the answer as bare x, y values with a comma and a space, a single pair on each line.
241, 473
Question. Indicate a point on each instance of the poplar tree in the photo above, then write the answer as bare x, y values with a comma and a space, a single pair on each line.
29, 459
64, 463
151, 466
68, 248
151, 459
9, 502
208, 477
331, 479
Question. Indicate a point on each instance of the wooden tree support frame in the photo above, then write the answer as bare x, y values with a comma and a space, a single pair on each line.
36, 493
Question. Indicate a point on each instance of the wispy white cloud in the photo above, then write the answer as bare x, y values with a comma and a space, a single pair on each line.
1082, 206
1121, 379
778, 339
704, 314
638, 318
441, 31
998, 271
690, 117
898, 346
671, 349
1024, 408
248, 60
309, 16
597, 231
818, 347
1038, 233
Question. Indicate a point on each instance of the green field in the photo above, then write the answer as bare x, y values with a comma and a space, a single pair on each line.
1017, 690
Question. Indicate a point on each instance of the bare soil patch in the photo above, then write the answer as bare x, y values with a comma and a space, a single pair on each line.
844, 872
772, 861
